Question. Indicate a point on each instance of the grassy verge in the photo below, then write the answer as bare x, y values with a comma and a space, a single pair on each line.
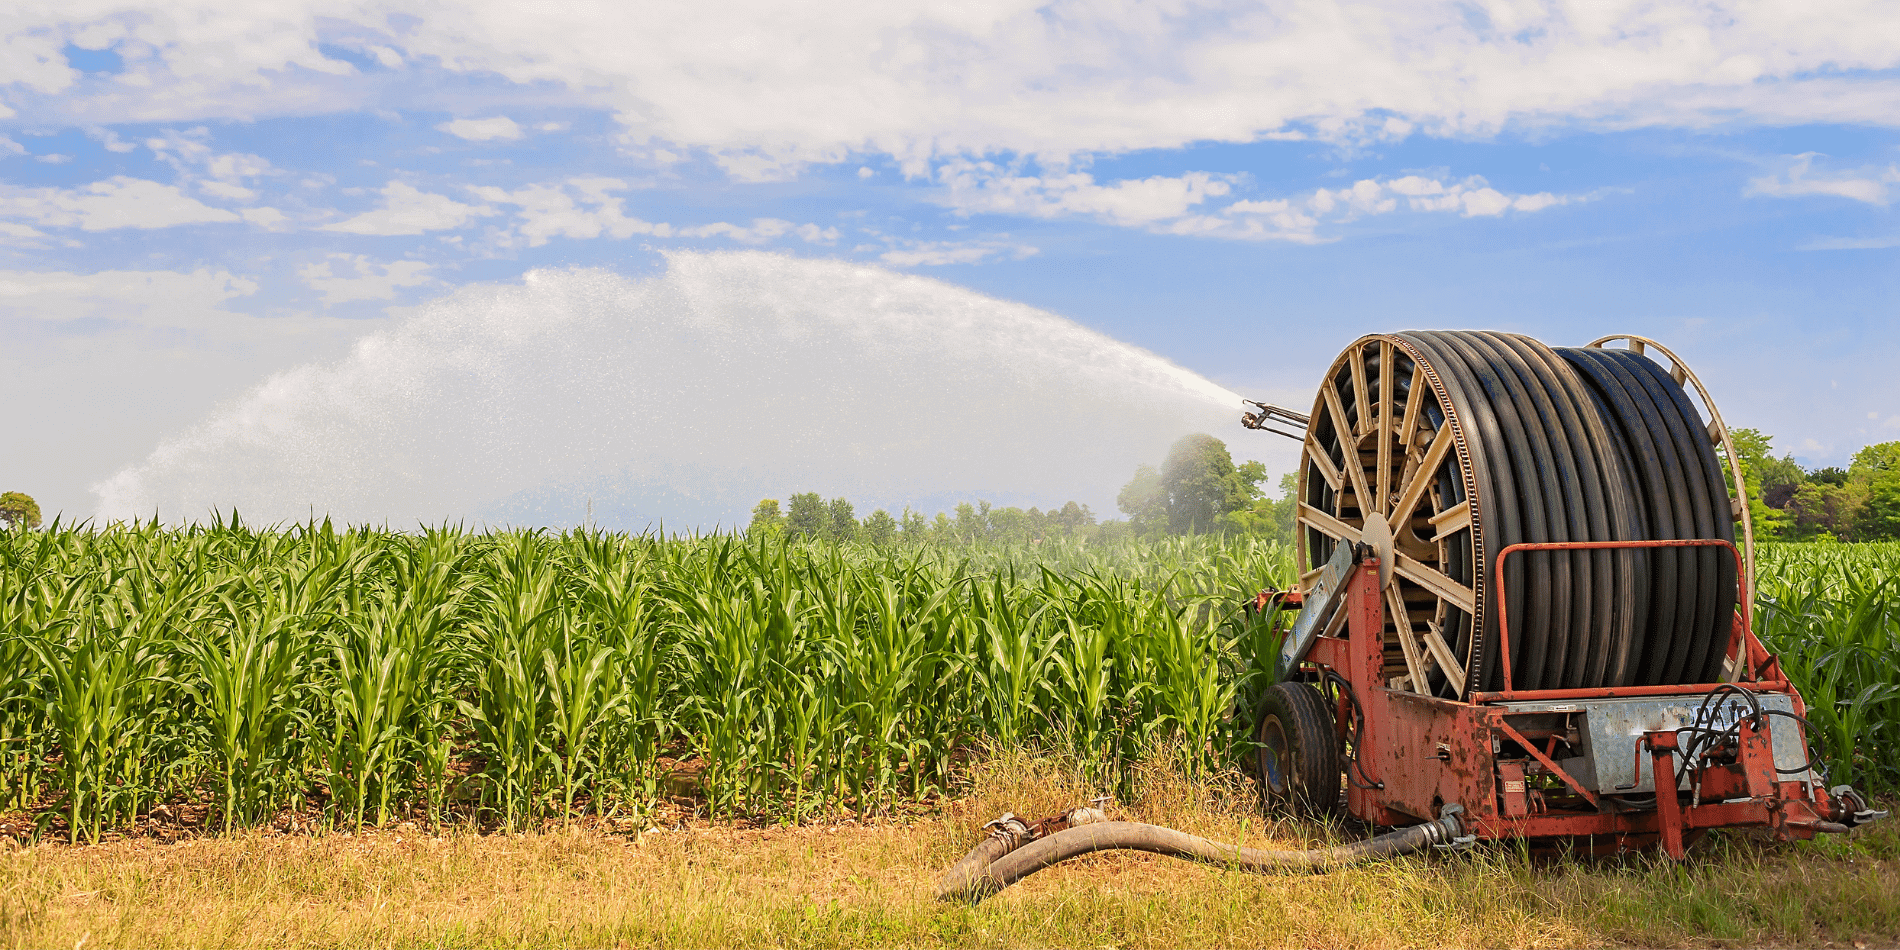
851, 885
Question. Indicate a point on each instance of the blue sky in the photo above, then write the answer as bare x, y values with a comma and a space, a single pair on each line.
195, 197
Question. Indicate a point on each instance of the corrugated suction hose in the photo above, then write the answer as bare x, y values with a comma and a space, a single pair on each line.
1014, 851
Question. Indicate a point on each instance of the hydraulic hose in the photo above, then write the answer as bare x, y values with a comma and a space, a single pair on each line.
1020, 859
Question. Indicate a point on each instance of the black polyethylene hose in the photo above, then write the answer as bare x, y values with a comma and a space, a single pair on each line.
1154, 839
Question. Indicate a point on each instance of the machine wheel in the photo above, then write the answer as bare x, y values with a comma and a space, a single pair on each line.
1298, 755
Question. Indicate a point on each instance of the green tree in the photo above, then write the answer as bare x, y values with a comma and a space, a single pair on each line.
915, 526
1011, 524
1832, 475
1827, 509
1756, 449
19, 510
1072, 519
973, 521
841, 523
880, 527
807, 518
1203, 485
1145, 501
1270, 518
766, 518
1878, 468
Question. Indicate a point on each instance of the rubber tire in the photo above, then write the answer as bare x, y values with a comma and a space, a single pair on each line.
1298, 750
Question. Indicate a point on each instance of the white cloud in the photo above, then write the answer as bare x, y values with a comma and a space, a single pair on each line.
1189, 204
223, 189
1299, 219
764, 86
116, 202
264, 217
760, 231
973, 187
1795, 180
10, 147
409, 210
580, 208
483, 130
163, 299
224, 175
939, 253
587, 207
361, 279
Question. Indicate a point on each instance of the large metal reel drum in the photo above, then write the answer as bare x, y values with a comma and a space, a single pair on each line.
1440, 448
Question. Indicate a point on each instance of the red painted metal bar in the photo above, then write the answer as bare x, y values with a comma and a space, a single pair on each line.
1554, 768
1504, 632
1662, 750
1607, 692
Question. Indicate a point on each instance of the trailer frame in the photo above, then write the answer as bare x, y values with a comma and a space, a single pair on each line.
1408, 755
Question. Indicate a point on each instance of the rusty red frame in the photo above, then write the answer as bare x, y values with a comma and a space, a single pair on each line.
1504, 633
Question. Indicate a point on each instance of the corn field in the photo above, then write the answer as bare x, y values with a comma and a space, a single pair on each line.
522, 677
1832, 611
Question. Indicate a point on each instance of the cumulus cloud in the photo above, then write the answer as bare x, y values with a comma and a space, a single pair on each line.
483, 130
116, 202
793, 83
342, 278
409, 210
1798, 179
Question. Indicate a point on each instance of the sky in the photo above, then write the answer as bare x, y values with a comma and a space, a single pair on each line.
201, 204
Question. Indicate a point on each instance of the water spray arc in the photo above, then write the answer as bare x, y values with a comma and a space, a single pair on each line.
516, 403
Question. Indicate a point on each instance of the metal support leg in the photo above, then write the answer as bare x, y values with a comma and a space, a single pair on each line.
1662, 751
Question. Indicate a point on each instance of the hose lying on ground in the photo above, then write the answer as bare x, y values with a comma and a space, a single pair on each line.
1014, 851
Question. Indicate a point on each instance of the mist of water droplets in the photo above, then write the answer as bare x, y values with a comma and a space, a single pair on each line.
684, 398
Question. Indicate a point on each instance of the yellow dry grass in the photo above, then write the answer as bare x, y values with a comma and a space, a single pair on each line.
849, 885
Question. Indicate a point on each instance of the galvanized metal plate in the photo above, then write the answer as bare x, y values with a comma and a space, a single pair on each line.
1317, 607
1612, 730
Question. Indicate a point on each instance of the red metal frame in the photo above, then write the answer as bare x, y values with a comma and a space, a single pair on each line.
1744, 617
1417, 753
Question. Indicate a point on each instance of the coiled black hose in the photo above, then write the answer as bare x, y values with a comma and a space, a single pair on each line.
1581, 444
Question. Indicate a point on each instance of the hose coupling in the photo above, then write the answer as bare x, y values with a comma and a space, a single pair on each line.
1854, 807
1451, 827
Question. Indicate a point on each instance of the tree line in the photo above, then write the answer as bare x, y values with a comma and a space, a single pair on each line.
1196, 490
809, 516
1789, 503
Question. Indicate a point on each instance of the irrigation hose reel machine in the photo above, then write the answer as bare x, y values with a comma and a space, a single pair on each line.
1521, 595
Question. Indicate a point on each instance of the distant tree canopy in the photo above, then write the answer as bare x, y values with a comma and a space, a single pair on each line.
812, 517
1199, 490
19, 510
1787, 503
766, 518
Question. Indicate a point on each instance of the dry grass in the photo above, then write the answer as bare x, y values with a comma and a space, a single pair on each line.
850, 885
